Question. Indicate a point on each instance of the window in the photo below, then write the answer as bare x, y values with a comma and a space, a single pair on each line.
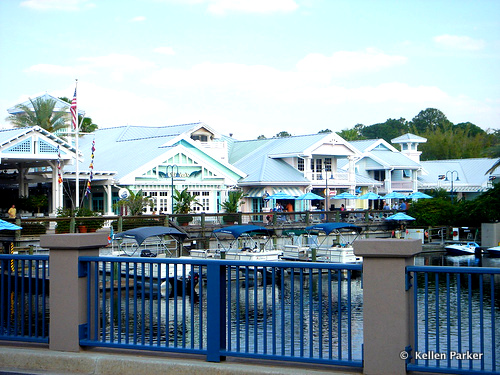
300, 164
328, 164
319, 165
406, 173
379, 175
202, 138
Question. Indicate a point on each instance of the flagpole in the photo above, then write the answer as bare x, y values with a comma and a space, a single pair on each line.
76, 125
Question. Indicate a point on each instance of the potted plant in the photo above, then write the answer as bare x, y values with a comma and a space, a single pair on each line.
85, 226
231, 206
63, 225
38, 202
183, 201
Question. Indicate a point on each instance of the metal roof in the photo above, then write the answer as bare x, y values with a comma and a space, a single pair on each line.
408, 137
471, 173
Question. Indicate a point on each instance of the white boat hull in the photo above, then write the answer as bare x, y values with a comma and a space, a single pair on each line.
462, 249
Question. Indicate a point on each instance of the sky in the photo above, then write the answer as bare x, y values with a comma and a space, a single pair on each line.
255, 67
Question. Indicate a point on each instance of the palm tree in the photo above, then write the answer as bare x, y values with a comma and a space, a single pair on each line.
42, 115
183, 201
135, 202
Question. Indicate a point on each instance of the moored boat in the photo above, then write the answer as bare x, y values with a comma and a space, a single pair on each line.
334, 247
241, 242
494, 251
468, 248
153, 242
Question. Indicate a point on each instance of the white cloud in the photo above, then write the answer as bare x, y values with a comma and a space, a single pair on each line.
348, 62
66, 5
138, 19
459, 42
119, 64
164, 50
221, 7
251, 6
57, 70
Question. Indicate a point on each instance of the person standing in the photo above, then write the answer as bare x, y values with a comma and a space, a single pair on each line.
12, 212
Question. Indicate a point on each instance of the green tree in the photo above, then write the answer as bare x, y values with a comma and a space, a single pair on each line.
42, 115
325, 131
429, 119
451, 142
262, 136
350, 134
431, 212
387, 130
283, 134
135, 202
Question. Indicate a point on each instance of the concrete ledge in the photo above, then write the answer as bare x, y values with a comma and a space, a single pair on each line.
74, 240
387, 247
45, 361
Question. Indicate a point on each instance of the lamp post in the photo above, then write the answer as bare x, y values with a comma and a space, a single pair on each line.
172, 168
451, 179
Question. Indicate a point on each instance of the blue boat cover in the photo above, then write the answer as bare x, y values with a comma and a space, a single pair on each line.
238, 230
330, 227
140, 234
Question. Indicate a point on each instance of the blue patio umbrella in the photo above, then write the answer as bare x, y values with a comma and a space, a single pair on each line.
281, 195
419, 195
400, 216
345, 195
395, 195
371, 195
309, 197
5, 225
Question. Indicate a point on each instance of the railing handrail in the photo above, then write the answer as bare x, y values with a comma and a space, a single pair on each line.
452, 269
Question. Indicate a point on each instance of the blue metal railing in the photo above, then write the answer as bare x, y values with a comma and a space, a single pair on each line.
24, 304
305, 312
456, 319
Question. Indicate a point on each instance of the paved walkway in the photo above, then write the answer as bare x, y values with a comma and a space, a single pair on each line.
36, 360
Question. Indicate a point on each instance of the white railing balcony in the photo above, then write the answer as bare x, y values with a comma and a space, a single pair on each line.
402, 185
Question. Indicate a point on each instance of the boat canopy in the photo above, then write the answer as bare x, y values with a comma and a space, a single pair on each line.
140, 234
330, 227
247, 230
5, 225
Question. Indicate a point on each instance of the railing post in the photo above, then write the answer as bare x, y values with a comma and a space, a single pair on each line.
68, 292
119, 225
216, 311
387, 305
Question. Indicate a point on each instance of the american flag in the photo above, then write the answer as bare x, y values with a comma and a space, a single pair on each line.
74, 116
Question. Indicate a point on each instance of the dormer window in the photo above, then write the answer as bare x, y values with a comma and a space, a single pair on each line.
201, 138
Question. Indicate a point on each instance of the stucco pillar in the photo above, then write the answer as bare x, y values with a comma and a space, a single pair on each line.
387, 305
68, 292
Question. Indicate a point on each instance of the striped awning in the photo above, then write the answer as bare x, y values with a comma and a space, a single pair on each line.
259, 192
293, 191
255, 192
